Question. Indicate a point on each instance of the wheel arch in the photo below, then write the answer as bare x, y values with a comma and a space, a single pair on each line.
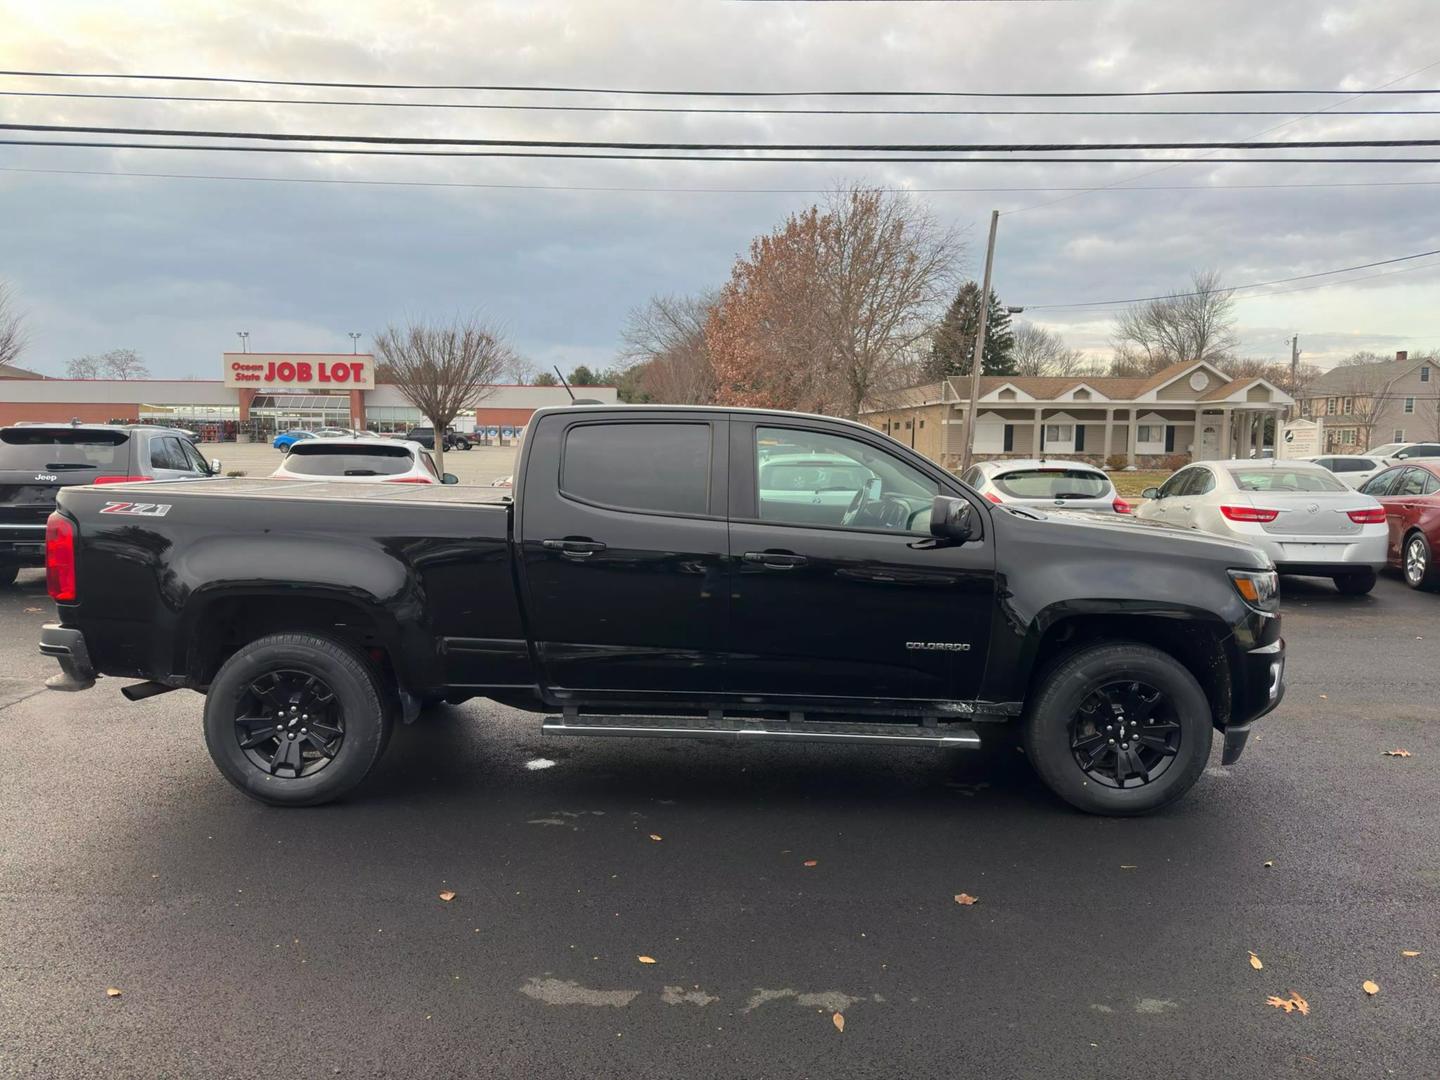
1202, 643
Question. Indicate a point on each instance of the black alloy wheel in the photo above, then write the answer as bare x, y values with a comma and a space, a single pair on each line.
289, 723
1125, 734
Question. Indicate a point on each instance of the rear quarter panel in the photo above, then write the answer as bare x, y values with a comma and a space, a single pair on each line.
424, 574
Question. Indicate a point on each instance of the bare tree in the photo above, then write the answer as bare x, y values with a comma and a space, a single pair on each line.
1198, 324
83, 367
13, 337
443, 369
666, 337
520, 370
123, 364
1038, 351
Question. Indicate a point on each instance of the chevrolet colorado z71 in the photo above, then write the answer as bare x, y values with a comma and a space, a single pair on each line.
671, 571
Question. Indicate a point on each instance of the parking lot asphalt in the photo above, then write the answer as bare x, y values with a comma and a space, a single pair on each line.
772, 886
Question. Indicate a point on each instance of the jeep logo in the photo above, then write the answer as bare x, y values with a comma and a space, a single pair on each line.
46, 476
938, 646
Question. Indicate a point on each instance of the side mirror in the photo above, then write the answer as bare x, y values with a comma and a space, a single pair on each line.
952, 519
449, 478
1150, 493
215, 466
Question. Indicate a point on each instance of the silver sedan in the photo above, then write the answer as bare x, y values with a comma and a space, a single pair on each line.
1297, 512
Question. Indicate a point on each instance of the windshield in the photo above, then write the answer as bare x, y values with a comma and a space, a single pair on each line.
1386, 450
821, 475
1251, 479
62, 448
361, 459
1053, 484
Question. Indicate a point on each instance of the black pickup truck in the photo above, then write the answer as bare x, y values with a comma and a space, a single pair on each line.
669, 571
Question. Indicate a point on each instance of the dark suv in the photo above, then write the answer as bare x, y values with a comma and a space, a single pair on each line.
425, 436
36, 460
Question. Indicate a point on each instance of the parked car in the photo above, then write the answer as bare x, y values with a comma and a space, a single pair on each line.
425, 436
1404, 451
1352, 470
38, 460
286, 439
1410, 495
1297, 512
365, 461
639, 562
1056, 484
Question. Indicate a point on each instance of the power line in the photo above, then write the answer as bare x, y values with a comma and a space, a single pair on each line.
1238, 288
626, 189
695, 147
698, 110
822, 159
632, 91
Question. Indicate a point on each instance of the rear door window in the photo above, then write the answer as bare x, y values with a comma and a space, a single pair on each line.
1382, 483
342, 459
165, 453
63, 449
656, 468
1413, 483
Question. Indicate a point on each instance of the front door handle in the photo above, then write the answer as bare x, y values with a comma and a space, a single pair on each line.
774, 560
575, 549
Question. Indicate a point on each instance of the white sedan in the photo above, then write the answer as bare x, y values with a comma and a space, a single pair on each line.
365, 461
1297, 512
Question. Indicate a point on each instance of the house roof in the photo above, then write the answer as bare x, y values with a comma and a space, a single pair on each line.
1362, 378
10, 371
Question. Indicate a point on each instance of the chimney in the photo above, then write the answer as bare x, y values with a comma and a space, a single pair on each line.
1402, 356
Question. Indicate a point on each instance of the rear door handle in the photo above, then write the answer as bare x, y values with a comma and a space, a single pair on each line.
774, 560
576, 549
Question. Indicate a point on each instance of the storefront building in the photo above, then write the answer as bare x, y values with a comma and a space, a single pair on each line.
261, 394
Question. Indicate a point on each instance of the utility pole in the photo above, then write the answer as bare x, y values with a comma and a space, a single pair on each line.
1295, 374
972, 411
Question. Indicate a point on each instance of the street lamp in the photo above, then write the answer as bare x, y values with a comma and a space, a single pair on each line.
354, 343
244, 336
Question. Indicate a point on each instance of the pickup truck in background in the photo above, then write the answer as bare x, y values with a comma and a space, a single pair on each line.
671, 571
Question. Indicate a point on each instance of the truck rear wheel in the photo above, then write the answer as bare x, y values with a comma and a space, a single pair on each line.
295, 719
1119, 728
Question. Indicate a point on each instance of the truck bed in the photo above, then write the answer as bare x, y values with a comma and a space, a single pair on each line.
330, 491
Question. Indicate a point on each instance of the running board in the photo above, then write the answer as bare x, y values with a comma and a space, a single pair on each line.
939, 736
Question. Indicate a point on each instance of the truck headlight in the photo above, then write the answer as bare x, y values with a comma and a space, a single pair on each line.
1258, 588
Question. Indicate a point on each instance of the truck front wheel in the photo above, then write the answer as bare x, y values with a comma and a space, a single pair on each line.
1119, 728
295, 719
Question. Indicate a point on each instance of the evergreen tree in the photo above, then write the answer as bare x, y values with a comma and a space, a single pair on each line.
953, 346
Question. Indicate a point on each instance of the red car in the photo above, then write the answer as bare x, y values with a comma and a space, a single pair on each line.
1410, 494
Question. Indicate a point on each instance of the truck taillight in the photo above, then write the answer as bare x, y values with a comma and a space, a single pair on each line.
1120, 506
1249, 513
1374, 515
993, 497
60, 558
120, 479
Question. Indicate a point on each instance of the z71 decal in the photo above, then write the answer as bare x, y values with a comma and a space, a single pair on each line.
136, 509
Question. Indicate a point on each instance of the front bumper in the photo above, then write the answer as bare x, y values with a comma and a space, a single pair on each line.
67, 646
1260, 688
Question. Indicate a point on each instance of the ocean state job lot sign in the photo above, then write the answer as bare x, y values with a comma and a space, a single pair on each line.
300, 371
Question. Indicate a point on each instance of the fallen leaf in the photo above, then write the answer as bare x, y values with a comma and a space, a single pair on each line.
1255, 962
811, 862
1397, 753
1294, 1003
1269, 862
1409, 952
965, 899
1129, 866
33, 610
656, 837
448, 895
646, 959
839, 1021
1325, 697
112, 991
1370, 987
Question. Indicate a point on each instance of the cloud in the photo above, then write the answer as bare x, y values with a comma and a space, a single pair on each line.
174, 267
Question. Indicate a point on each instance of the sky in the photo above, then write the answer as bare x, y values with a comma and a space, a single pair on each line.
100, 258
